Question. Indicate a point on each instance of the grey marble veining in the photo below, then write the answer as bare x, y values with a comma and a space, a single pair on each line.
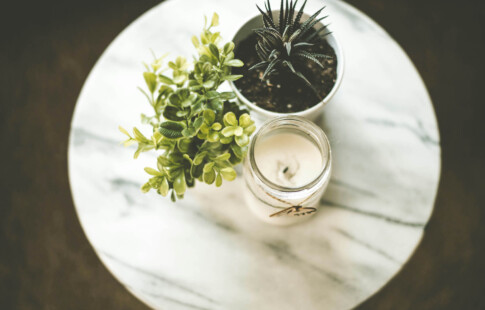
207, 251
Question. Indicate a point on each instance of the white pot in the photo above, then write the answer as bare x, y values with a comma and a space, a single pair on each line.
259, 114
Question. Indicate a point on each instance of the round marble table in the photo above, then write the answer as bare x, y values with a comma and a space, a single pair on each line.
207, 251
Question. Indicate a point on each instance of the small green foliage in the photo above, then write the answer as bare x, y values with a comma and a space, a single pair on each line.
283, 44
200, 134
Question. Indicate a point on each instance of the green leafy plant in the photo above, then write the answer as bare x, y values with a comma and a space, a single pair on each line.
283, 44
200, 134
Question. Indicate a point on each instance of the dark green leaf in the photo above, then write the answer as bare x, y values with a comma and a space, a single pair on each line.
171, 130
171, 113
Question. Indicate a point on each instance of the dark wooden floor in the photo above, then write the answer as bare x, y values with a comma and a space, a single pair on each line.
47, 50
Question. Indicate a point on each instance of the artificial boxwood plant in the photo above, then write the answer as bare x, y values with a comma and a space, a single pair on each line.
200, 133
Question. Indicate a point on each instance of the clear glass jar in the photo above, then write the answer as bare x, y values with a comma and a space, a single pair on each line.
269, 196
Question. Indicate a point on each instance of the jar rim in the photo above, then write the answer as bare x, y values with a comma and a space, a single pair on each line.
296, 123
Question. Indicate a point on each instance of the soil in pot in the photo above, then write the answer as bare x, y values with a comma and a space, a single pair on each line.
286, 93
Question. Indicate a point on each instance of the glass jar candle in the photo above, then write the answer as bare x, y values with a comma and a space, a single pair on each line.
287, 170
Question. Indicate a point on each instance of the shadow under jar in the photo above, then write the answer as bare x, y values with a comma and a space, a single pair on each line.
287, 170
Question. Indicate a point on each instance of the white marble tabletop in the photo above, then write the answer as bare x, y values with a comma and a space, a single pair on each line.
207, 251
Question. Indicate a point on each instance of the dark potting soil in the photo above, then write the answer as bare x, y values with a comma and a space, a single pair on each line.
286, 92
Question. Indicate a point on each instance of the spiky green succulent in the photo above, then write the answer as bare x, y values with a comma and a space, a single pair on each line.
285, 44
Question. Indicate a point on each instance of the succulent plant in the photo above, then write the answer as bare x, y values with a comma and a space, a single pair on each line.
285, 44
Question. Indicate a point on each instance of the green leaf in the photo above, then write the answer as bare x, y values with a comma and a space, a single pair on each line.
211, 94
152, 171
189, 132
245, 120
214, 50
228, 47
165, 79
226, 140
182, 113
164, 187
171, 113
123, 130
146, 187
228, 173
234, 63
195, 41
199, 158
230, 119
239, 131
179, 79
237, 150
208, 166
223, 157
232, 77
227, 95
179, 184
209, 84
215, 20
213, 136
249, 130
209, 116
229, 131
171, 130
151, 80
242, 140
216, 126
218, 180
198, 122
209, 177
139, 136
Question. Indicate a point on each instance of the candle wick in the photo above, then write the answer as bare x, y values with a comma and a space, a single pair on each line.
285, 170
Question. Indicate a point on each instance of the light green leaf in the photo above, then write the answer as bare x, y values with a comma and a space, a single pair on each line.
228, 173
223, 157
229, 131
151, 80
230, 119
123, 130
242, 140
218, 180
209, 84
195, 41
209, 177
216, 126
226, 140
146, 187
164, 187
199, 158
165, 79
215, 20
249, 130
189, 132
245, 120
239, 131
232, 77
209, 116
198, 122
208, 166
179, 79
227, 95
179, 184
234, 63
152, 171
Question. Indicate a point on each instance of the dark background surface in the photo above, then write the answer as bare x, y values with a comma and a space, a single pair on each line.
48, 49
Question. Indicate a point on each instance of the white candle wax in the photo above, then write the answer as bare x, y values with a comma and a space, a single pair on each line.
288, 159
